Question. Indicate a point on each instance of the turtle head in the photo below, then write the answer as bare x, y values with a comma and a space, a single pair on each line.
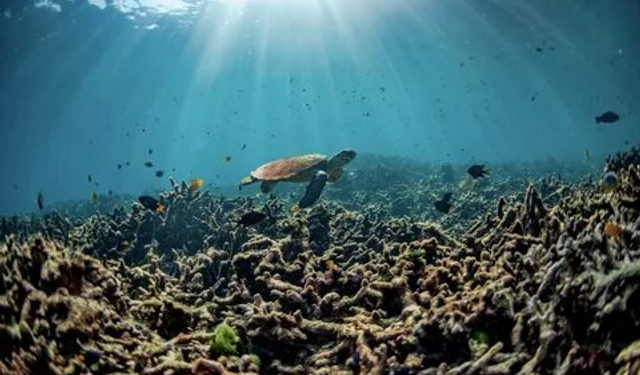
341, 158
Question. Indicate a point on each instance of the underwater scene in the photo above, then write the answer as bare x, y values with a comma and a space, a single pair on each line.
219, 187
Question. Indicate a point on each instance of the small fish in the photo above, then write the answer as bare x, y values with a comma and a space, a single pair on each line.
93, 197
243, 146
197, 184
150, 203
150, 151
478, 171
40, 201
251, 218
444, 205
227, 159
609, 182
159, 173
119, 166
295, 208
124, 245
608, 117
148, 164
587, 154
612, 229
89, 178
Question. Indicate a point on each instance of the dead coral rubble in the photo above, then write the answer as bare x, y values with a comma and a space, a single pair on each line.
534, 286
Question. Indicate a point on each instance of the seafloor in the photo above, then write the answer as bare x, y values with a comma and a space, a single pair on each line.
535, 271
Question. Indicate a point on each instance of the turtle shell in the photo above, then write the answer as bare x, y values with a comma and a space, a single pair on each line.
289, 168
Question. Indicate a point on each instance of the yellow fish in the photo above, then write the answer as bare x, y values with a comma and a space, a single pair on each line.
612, 229
295, 208
197, 184
160, 208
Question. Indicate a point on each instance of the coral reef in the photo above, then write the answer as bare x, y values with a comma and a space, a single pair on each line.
523, 278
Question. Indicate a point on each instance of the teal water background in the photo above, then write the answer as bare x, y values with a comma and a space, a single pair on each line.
87, 85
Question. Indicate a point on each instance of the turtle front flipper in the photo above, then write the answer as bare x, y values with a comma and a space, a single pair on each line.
314, 189
267, 186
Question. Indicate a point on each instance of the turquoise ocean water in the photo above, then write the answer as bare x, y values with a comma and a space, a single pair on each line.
212, 89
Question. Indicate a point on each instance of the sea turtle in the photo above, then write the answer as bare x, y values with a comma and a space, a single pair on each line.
316, 169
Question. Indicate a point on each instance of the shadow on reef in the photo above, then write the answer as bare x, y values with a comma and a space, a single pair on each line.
541, 280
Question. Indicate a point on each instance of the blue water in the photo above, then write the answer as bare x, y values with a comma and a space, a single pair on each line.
87, 85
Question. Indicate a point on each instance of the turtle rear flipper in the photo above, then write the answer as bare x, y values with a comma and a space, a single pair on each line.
267, 186
314, 189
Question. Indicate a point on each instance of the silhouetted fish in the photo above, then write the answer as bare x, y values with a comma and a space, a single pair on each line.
40, 201
443, 205
89, 178
608, 117
251, 218
478, 170
159, 173
148, 164
151, 203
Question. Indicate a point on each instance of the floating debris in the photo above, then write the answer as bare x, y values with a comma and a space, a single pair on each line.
608, 117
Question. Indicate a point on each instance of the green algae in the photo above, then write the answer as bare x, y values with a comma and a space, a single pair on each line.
225, 340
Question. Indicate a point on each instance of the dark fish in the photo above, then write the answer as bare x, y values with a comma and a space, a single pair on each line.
159, 173
478, 170
149, 203
40, 201
314, 189
243, 146
119, 166
89, 178
150, 151
148, 164
251, 218
607, 117
443, 205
